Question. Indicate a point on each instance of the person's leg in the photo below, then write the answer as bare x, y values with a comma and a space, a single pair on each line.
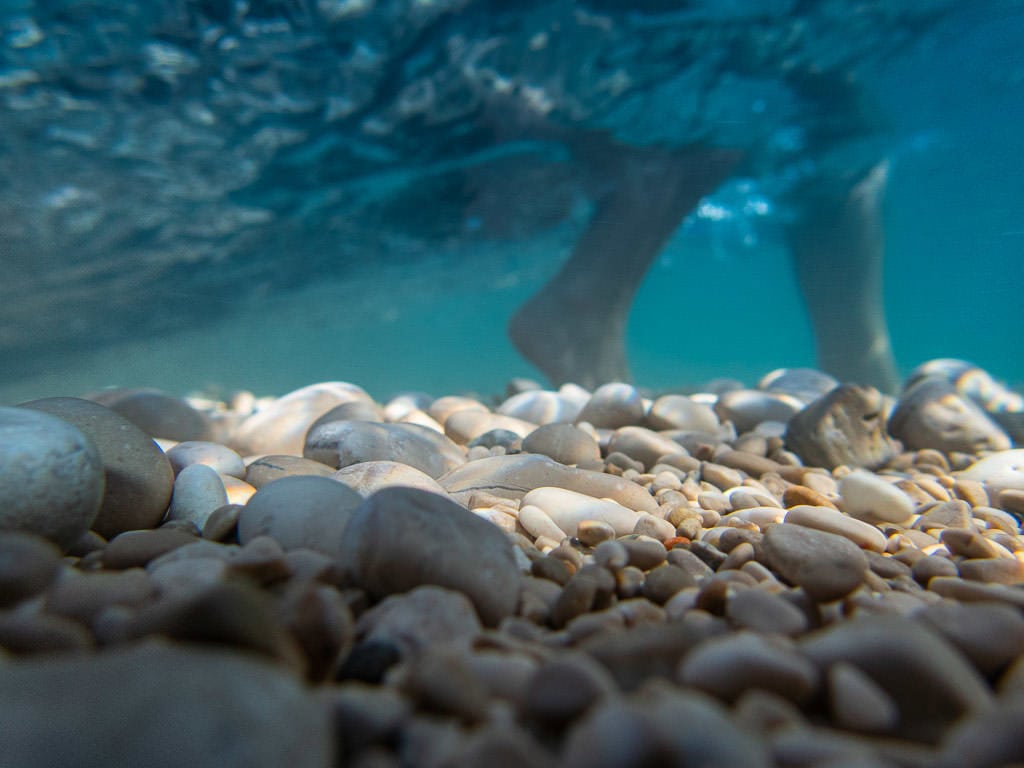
837, 245
574, 328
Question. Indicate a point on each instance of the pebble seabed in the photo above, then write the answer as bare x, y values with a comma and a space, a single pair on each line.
797, 574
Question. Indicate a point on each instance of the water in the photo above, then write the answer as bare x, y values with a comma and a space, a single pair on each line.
217, 195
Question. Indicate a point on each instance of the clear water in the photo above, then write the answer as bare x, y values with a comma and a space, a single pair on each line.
220, 195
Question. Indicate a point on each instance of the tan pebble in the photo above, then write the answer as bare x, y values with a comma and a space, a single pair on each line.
992, 570
967, 543
593, 532
971, 491
997, 518
831, 520
680, 513
933, 457
757, 516
720, 476
538, 523
1012, 500
545, 543
714, 501
912, 490
966, 591
858, 703
738, 557
500, 518
796, 495
759, 573
198, 490
951, 514
932, 488
709, 518
567, 508
753, 464
655, 527
690, 528
870, 497
822, 482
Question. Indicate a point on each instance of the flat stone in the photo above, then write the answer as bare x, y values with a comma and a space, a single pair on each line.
401, 538
156, 413
932, 684
998, 471
947, 514
540, 407
341, 443
746, 408
641, 444
795, 495
565, 687
751, 463
28, 565
138, 475
565, 443
765, 612
827, 567
996, 570
682, 412
303, 511
932, 414
967, 543
858, 703
368, 477
538, 523
281, 425
846, 426
867, 496
218, 457
612, 406
727, 667
513, 476
134, 549
51, 477
567, 509
830, 520
990, 635
174, 706
267, 469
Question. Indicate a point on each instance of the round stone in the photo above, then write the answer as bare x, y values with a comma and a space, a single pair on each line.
869, 497
681, 412
156, 413
219, 457
301, 511
139, 477
746, 408
825, 565
565, 443
341, 443
198, 491
612, 406
932, 414
540, 407
51, 477
270, 468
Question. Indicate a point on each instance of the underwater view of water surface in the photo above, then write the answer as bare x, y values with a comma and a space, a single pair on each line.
441, 195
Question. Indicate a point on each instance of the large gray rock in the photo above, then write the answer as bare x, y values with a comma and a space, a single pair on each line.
139, 477
160, 706
846, 426
341, 443
402, 538
932, 414
51, 477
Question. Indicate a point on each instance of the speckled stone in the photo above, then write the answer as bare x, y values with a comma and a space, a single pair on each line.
51, 476
139, 477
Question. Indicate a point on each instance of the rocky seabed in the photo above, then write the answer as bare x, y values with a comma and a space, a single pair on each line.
804, 573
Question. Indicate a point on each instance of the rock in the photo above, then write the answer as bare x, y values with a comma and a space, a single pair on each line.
402, 538
831, 520
354, 410
681, 412
664, 581
567, 509
932, 684
156, 413
825, 565
540, 407
198, 491
492, 438
216, 456
642, 445
440, 682
23, 633
805, 384
612, 406
971, 381
727, 667
987, 740
319, 619
83, 596
28, 564
464, 427
999, 471
846, 426
565, 443
947, 514
511, 477
281, 426
593, 532
368, 477
867, 496
932, 414
138, 475
341, 443
565, 687
134, 549
174, 706
270, 468
51, 477
538, 523
990, 635
858, 703
222, 524
423, 617
746, 408
765, 612
301, 511
996, 570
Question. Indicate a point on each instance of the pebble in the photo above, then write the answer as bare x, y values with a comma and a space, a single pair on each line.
746, 408
993, 570
568, 509
932, 414
401, 538
267, 469
538, 523
612, 406
681, 412
565, 443
642, 445
796, 495
139, 477
727, 667
967, 543
872, 498
563, 688
465, 426
765, 612
198, 491
540, 407
174, 706
846, 426
420, 618
831, 520
593, 532
156, 413
222, 523
28, 565
805, 384
827, 567
304, 511
990, 635
135, 549
219, 457
341, 443
83, 596
368, 477
948, 514
858, 703
51, 477
998, 471
987, 740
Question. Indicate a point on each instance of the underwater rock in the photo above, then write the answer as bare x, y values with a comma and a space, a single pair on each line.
156, 413
341, 443
932, 414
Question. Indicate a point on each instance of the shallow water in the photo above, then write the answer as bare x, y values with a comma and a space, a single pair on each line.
96, 294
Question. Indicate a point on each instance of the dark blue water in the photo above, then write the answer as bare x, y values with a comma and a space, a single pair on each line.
219, 195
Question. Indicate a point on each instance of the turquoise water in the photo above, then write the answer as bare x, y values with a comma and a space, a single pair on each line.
133, 263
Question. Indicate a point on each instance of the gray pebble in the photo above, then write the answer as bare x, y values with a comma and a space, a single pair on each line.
612, 406
341, 443
825, 565
28, 564
565, 443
